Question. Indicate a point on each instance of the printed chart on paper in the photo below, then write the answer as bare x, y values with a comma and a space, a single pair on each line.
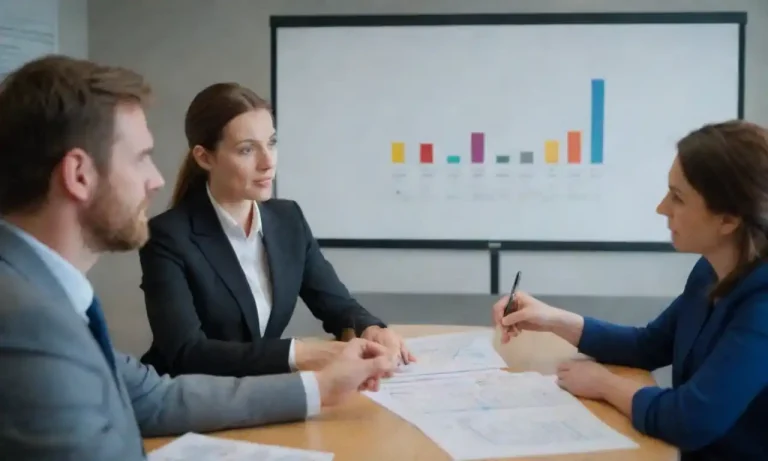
459, 396
453, 352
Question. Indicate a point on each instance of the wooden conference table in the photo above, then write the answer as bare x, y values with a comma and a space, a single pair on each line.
361, 429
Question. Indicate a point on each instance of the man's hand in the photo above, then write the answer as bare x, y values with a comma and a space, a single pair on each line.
315, 355
359, 366
392, 341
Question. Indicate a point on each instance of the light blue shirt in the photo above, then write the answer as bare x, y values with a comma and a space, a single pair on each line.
75, 284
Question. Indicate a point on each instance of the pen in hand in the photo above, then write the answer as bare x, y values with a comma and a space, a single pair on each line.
510, 302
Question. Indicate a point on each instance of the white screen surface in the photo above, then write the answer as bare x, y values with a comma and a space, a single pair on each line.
356, 104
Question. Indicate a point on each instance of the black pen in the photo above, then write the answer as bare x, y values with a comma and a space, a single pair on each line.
508, 308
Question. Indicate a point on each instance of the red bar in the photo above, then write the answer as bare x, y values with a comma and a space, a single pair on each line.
574, 147
426, 153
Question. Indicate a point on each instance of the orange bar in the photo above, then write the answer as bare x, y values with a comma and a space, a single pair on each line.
574, 147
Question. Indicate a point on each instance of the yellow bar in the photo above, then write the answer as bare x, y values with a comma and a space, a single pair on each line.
551, 149
398, 152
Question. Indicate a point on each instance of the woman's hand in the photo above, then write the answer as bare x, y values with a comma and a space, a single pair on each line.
583, 378
590, 380
528, 313
392, 341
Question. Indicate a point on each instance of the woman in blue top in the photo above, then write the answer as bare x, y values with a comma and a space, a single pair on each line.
715, 334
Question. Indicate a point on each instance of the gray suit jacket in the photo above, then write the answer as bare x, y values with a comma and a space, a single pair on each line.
60, 401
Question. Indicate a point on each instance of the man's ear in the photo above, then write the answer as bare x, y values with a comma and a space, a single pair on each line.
78, 175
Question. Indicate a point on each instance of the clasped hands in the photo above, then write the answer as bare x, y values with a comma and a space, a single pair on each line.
581, 377
358, 365
314, 355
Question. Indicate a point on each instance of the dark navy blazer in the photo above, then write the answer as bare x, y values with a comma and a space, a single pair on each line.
718, 405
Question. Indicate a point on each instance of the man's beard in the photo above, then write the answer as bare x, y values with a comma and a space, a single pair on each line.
112, 226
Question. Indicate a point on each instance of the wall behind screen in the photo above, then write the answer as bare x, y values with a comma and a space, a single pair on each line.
197, 42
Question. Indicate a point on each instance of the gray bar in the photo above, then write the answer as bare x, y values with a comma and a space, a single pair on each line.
526, 157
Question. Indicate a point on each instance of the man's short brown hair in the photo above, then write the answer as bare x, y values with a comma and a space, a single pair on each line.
50, 106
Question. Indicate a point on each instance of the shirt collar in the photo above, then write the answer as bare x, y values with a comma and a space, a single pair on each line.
230, 224
75, 284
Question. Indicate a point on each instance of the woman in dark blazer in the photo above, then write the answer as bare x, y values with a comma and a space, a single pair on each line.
225, 265
715, 334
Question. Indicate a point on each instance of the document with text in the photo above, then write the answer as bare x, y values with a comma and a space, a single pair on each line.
199, 447
452, 352
496, 414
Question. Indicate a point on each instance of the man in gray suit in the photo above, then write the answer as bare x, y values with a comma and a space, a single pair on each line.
76, 175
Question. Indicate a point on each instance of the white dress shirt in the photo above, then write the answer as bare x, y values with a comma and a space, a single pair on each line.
80, 293
252, 257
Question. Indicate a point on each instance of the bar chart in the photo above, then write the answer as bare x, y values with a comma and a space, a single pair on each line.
556, 132
572, 141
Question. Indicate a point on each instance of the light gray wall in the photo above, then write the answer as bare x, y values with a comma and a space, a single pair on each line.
185, 45
73, 28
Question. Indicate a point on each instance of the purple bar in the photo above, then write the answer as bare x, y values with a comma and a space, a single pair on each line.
478, 147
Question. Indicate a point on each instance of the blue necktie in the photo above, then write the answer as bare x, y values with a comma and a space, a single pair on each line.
98, 327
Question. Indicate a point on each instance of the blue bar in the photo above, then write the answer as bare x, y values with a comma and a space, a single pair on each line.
598, 119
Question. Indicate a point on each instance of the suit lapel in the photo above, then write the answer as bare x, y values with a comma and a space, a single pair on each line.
212, 242
270, 226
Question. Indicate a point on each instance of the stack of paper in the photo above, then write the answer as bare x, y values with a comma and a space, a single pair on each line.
490, 413
204, 448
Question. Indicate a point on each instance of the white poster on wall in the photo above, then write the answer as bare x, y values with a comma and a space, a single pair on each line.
29, 29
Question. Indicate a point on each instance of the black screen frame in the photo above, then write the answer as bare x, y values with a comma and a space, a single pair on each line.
494, 246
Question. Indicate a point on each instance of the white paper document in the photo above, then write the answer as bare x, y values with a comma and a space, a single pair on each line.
496, 414
29, 29
198, 447
452, 352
